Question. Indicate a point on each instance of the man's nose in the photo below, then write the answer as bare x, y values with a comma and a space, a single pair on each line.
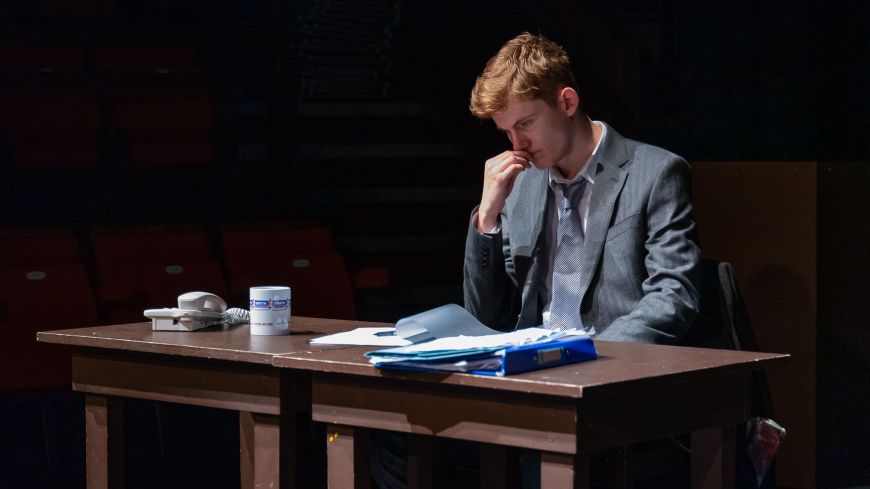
519, 142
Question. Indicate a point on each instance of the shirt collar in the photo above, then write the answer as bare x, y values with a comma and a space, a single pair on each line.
588, 172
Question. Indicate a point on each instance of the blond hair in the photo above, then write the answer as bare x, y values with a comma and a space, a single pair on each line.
527, 67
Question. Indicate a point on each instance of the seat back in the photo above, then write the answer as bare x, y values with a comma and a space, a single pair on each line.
320, 283
39, 298
724, 323
145, 268
51, 128
43, 286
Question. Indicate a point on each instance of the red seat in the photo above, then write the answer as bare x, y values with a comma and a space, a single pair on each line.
40, 58
242, 242
77, 9
51, 128
300, 257
38, 247
166, 129
127, 289
371, 277
320, 284
113, 246
142, 268
156, 59
38, 298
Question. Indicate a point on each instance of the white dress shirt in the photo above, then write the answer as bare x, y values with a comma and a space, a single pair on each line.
552, 224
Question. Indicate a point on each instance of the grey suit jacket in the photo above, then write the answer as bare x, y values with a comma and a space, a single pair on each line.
641, 262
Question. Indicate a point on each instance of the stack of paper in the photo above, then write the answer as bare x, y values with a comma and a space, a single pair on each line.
497, 354
449, 338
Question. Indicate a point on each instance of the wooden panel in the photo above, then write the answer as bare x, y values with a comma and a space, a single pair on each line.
187, 381
843, 350
762, 217
494, 417
651, 412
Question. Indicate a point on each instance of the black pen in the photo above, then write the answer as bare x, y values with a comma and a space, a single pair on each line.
386, 333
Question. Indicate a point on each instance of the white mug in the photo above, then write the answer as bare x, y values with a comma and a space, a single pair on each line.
270, 310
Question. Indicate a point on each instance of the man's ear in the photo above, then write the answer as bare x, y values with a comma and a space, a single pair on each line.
569, 101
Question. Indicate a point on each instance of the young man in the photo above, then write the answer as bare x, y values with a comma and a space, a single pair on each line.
577, 226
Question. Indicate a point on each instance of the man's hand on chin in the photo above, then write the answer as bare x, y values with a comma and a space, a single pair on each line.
499, 175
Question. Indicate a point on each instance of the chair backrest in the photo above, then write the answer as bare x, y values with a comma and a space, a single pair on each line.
724, 323
148, 267
38, 298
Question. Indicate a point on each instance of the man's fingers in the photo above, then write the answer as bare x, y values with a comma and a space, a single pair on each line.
510, 172
515, 169
510, 160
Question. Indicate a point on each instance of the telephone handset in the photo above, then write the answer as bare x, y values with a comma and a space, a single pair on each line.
196, 310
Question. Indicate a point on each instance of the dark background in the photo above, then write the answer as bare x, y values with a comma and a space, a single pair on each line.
353, 114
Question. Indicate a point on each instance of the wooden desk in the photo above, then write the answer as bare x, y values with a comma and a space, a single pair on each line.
227, 369
631, 393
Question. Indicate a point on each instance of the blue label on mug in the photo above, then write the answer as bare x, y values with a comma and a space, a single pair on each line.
261, 304
280, 303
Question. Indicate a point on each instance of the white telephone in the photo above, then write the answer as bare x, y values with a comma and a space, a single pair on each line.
196, 310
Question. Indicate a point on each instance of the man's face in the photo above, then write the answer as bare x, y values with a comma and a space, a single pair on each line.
536, 127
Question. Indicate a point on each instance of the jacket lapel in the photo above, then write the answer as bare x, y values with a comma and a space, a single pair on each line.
609, 180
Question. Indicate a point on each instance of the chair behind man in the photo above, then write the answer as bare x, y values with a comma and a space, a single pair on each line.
724, 323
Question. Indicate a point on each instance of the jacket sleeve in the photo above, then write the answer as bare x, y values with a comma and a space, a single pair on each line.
489, 283
671, 298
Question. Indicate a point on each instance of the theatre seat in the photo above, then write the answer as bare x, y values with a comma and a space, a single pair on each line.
141, 268
320, 284
168, 128
161, 59
76, 10
38, 298
48, 128
130, 288
40, 57
42, 428
128, 244
301, 257
242, 241
38, 247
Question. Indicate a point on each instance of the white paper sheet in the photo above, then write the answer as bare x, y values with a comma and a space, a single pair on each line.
362, 337
503, 340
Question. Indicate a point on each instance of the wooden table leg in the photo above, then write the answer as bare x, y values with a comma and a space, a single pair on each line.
347, 458
104, 443
564, 471
493, 466
713, 458
500, 467
267, 451
427, 462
